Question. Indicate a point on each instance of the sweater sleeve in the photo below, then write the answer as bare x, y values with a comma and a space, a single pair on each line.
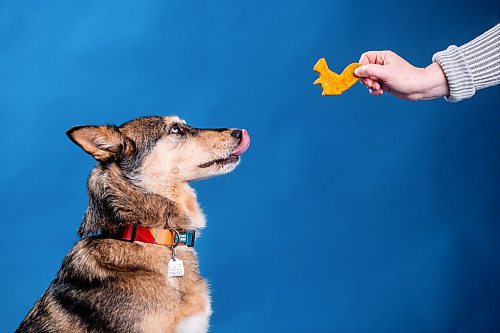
472, 66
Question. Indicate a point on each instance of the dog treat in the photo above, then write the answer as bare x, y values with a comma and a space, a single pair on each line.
333, 83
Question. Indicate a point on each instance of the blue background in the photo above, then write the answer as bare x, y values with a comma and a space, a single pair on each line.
348, 214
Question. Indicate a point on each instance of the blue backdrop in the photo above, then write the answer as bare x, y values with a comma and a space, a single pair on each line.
348, 214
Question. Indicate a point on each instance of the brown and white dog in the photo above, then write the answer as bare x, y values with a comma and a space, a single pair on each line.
108, 284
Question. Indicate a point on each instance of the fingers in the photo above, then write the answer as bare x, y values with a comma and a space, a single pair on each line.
382, 88
367, 82
372, 70
373, 57
368, 57
371, 83
374, 87
373, 73
376, 92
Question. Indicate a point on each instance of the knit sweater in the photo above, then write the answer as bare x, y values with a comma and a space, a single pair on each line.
472, 66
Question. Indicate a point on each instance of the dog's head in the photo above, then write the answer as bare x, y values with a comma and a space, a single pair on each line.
145, 166
157, 150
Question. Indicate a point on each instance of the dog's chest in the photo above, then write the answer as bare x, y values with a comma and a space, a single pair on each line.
190, 316
196, 323
185, 304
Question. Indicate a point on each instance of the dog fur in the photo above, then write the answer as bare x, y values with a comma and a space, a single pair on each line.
142, 179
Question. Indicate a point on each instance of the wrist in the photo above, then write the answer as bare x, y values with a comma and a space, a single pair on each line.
436, 82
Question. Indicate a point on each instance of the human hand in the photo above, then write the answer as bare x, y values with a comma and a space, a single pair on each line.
385, 71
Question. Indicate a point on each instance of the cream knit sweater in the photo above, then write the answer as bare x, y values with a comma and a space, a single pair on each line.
472, 66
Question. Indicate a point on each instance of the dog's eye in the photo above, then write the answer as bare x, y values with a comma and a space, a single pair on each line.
176, 129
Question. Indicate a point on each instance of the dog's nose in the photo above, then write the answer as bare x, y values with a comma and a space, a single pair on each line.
237, 134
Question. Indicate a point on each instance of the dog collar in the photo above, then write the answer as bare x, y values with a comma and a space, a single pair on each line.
167, 237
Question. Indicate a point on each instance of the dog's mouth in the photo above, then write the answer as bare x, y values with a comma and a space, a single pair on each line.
235, 154
221, 161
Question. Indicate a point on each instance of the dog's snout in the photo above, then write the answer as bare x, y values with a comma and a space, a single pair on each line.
238, 134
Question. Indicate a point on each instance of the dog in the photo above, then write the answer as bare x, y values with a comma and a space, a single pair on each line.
134, 268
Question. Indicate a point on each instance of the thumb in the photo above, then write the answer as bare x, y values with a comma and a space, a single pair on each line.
378, 71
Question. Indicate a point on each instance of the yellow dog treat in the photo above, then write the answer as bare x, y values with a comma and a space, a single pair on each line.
332, 83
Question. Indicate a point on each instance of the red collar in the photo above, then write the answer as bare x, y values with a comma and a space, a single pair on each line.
167, 237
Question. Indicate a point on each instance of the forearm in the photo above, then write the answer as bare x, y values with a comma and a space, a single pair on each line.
472, 66
436, 84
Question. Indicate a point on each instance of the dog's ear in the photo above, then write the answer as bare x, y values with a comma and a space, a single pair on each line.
104, 143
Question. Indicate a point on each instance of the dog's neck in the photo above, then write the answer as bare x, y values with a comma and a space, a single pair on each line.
116, 200
185, 198
177, 191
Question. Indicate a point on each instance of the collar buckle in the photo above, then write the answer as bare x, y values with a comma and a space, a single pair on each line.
184, 237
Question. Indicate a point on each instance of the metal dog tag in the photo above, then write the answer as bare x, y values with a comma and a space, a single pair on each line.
175, 268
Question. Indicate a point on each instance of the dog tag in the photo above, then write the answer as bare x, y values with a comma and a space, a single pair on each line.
175, 268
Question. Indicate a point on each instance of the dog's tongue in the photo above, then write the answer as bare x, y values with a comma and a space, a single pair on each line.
244, 143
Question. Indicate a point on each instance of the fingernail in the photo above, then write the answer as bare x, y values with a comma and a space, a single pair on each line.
358, 71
